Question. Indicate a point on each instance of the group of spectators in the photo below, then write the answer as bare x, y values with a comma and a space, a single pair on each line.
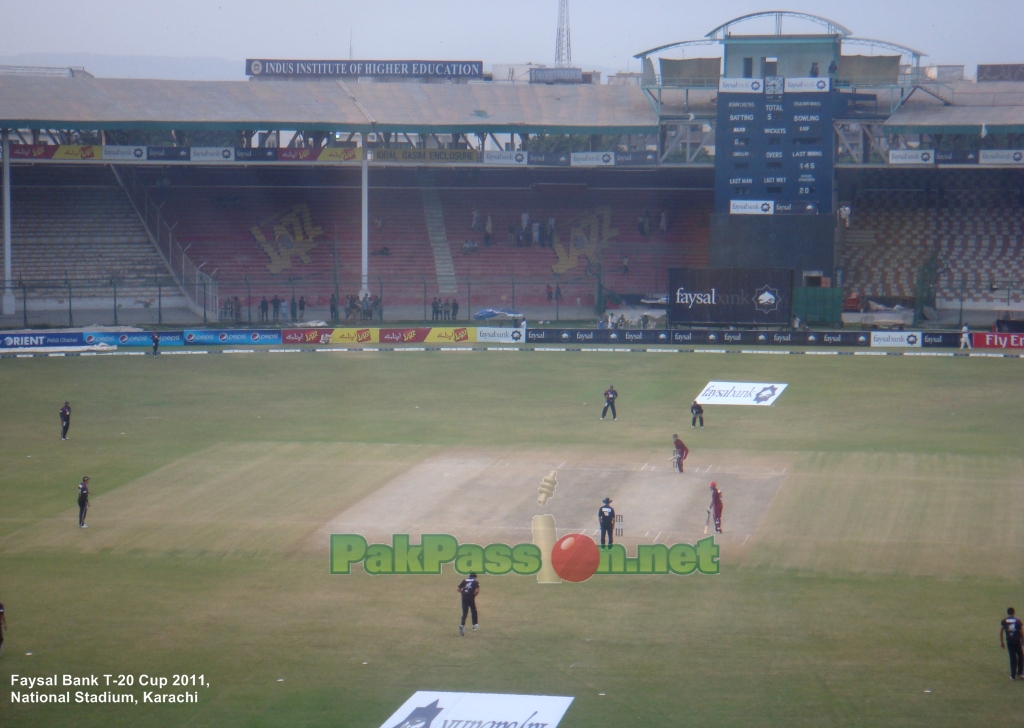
531, 233
646, 220
447, 310
277, 307
367, 308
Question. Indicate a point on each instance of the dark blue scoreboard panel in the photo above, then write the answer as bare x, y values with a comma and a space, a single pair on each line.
774, 150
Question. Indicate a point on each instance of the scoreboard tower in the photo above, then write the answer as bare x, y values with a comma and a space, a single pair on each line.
775, 156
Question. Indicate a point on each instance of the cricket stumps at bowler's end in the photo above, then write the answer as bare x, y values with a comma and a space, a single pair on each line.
547, 487
544, 538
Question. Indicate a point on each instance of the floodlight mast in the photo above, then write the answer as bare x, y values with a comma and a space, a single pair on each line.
563, 43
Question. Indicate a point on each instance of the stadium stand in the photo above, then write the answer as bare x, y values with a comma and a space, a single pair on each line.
78, 227
264, 232
971, 222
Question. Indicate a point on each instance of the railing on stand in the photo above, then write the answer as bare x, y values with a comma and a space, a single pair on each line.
198, 286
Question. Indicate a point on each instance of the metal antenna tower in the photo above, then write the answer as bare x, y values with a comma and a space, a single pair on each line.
563, 43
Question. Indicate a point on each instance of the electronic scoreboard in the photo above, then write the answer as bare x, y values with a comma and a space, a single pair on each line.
774, 150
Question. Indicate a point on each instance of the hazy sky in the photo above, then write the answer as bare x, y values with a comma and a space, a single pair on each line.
605, 34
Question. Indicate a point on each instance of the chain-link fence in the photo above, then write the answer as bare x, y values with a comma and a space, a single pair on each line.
281, 301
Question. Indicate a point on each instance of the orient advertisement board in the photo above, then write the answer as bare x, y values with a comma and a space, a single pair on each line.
730, 295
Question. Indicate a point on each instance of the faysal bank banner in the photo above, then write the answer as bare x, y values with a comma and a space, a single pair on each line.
730, 296
428, 709
268, 68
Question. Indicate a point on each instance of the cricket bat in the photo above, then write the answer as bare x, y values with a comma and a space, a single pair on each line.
706, 523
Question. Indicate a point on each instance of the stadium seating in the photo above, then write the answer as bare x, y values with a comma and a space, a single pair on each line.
971, 222
274, 234
81, 228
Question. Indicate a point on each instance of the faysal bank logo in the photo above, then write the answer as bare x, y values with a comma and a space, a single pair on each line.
766, 299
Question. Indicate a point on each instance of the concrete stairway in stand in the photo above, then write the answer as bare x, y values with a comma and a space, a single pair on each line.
443, 263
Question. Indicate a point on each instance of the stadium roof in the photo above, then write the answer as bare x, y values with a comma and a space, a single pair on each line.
100, 103
957, 120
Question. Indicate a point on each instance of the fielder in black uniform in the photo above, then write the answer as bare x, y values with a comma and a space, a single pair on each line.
606, 517
65, 420
155, 338
610, 395
469, 588
698, 414
83, 501
1014, 631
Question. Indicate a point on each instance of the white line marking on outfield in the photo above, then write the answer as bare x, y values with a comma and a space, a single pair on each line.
657, 537
560, 466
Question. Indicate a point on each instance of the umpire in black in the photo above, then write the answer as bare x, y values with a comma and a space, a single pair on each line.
698, 414
606, 517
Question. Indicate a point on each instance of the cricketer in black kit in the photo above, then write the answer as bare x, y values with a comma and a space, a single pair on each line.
469, 588
610, 395
65, 420
606, 518
83, 501
1012, 628
698, 414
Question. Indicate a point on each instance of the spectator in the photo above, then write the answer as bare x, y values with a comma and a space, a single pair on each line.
550, 293
551, 231
640, 224
366, 307
294, 309
476, 220
378, 222
525, 218
276, 303
833, 69
814, 70
302, 308
558, 292
238, 309
455, 310
536, 233
264, 307
488, 229
334, 308
625, 265
435, 309
446, 310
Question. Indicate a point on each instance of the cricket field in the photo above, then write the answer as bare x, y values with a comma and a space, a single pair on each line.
873, 536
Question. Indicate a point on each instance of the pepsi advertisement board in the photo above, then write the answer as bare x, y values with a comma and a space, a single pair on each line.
231, 337
133, 338
774, 151
730, 296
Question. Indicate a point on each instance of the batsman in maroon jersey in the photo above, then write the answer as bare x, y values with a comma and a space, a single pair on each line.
681, 452
715, 508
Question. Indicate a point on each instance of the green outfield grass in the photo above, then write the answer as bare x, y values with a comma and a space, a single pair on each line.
878, 572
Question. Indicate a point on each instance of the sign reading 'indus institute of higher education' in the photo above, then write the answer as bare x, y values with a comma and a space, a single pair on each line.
272, 68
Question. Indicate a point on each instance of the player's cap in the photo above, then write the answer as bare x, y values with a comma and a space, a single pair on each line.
85, 478
472, 575
675, 435
607, 501
713, 484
